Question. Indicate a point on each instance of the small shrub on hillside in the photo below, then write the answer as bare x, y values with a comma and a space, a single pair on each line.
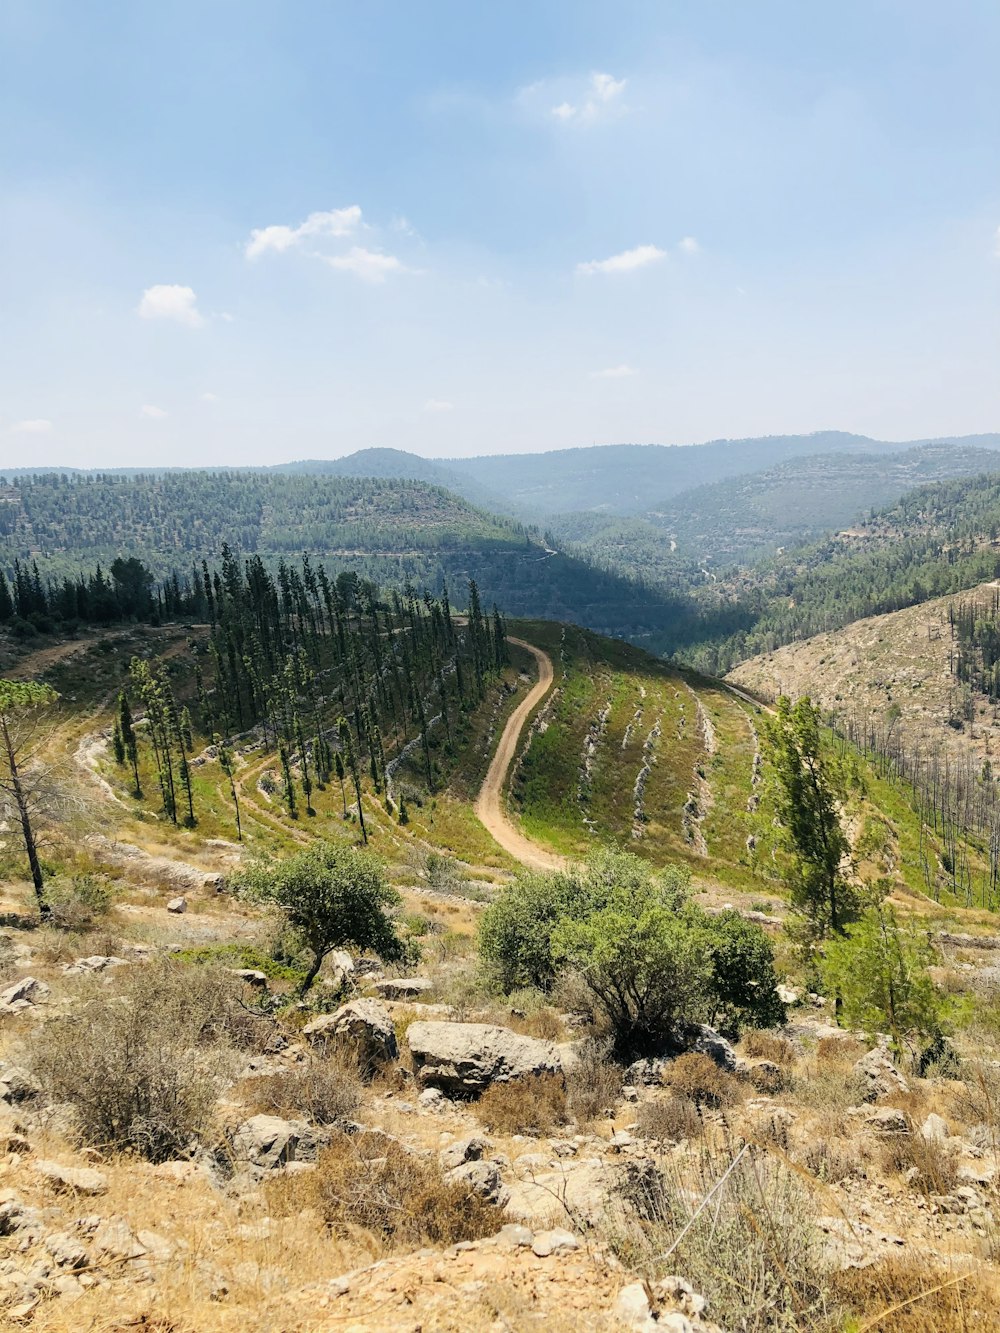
323, 1091
142, 1061
936, 1168
594, 1083
402, 1199
700, 1079
744, 981
759, 1044
669, 1119
830, 1160
523, 1106
755, 1253
80, 902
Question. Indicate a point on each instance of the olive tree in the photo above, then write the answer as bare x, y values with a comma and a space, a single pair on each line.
332, 896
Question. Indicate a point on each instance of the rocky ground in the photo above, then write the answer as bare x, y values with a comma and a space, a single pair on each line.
236, 1232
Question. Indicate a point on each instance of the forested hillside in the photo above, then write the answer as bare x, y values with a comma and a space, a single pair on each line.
391, 531
938, 539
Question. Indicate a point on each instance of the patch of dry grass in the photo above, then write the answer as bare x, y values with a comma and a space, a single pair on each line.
535, 1106
698, 1078
669, 1119
370, 1183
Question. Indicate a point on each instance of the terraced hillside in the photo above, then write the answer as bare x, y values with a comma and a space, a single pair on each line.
628, 750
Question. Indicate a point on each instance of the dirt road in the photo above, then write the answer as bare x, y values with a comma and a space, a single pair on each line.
489, 805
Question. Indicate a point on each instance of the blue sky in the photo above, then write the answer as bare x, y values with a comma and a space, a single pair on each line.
249, 232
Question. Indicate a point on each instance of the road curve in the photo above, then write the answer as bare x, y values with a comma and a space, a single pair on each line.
489, 805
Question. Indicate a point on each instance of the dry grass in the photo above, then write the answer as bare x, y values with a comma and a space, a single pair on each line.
370, 1183
698, 1078
669, 1119
523, 1106
759, 1044
934, 1163
325, 1090
142, 1060
902, 1297
594, 1084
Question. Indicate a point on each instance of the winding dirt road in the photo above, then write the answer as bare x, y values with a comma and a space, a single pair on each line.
489, 805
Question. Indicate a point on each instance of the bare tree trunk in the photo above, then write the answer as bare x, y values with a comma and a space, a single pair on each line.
24, 813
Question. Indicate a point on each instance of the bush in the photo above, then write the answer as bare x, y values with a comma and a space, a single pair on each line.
936, 1168
743, 977
762, 1045
523, 1105
669, 1119
142, 1062
879, 969
755, 1253
79, 903
698, 1078
333, 896
324, 1091
594, 1083
515, 932
370, 1180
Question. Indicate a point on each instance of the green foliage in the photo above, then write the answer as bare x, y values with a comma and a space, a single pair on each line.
333, 896
242, 956
744, 982
879, 969
651, 960
809, 786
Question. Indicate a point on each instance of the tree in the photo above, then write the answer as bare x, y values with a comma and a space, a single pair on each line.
744, 982
131, 746
880, 971
332, 896
227, 766
21, 776
515, 931
350, 758
809, 787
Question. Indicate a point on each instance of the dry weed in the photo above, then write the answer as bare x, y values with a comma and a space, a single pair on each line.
700, 1079
898, 1296
594, 1083
325, 1090
523, 1106
669, 1119
934, 1163
372, 1183
760, 1044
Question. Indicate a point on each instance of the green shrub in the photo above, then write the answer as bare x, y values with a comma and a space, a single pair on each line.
743, 977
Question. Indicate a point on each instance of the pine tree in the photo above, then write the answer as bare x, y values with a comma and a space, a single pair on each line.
352, 764
339, 761
128, 739
226, 764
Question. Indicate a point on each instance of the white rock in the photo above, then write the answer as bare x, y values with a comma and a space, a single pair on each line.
177, 905
632, 1307
557, 1241
79, 1179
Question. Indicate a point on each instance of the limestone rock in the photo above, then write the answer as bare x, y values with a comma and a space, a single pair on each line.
465, 1058
482, 1178
708, 1042
469, 1149
22, 995
403, 988
934, 1129
267, 1141
177, 905
364, 1025
879, 1076
632, 1307
557, 1241
76, 1179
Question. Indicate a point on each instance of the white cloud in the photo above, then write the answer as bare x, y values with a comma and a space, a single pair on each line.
170, 301
371, 265
602, 94
626, 262
34, 426
689, 246
209, 397
154, 413
614, 373
438, 405
336, 223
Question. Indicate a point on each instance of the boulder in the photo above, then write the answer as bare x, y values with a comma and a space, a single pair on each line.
482, 1178
251, 976
557, 1241
708, 1042
22, 995
177, 905
95, 963
885, 1121
465, 1058
74, 1179
935, 1129
632, 1307
469, 1149
878, 1076
267, 1141
362, 1025
403, 988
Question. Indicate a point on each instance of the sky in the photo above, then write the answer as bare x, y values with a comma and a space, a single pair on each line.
235, 232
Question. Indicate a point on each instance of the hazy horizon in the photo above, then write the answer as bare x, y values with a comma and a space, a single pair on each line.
464, 231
